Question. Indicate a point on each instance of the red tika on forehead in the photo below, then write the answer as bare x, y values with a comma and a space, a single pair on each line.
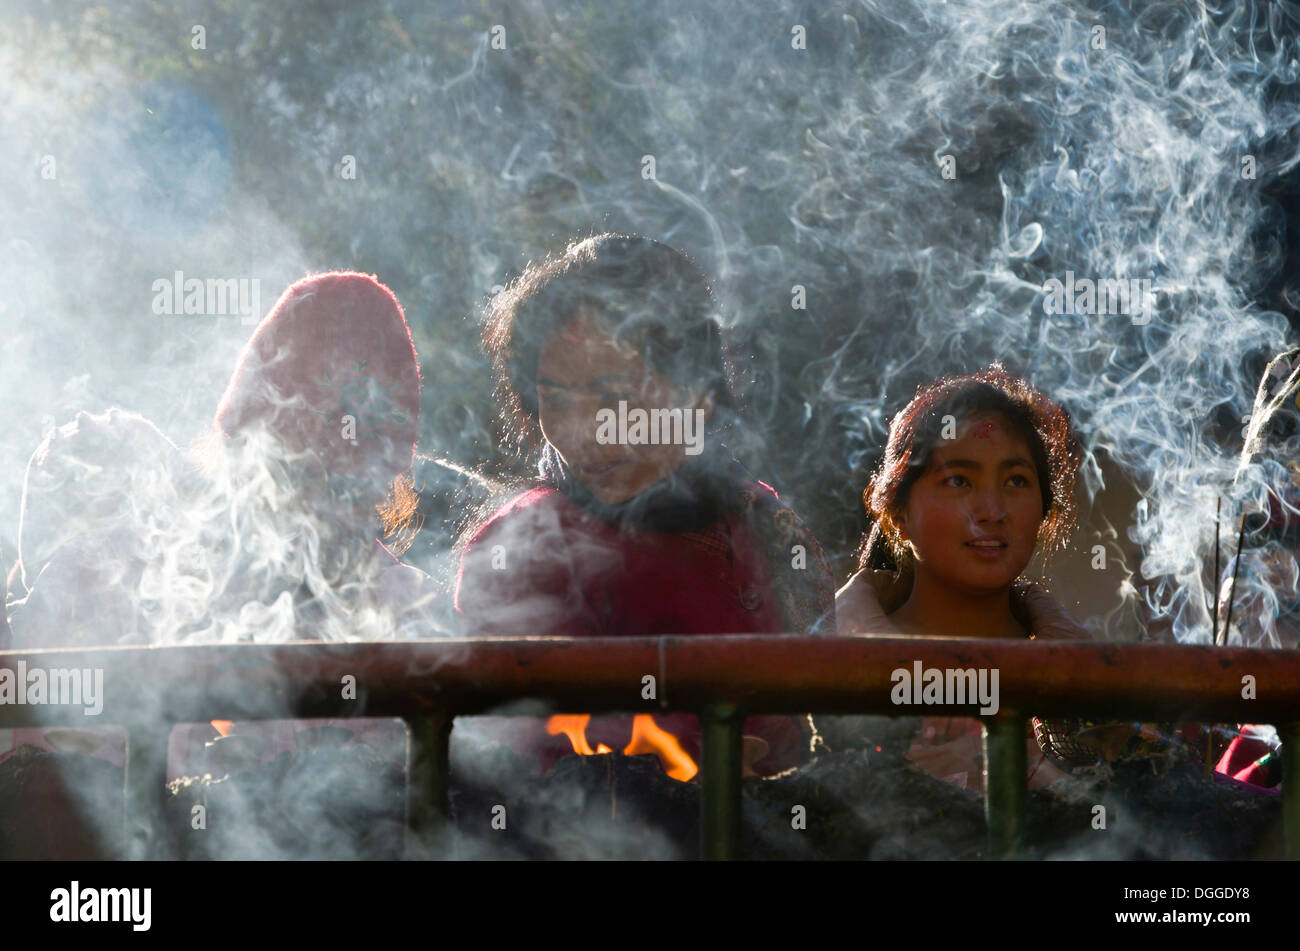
983, 429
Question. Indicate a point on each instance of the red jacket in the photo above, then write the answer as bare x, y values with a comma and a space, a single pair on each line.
542, 565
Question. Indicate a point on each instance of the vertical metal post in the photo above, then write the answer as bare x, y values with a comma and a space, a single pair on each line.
1290, 735
720, 782
146, 793
1006, 790
428, 804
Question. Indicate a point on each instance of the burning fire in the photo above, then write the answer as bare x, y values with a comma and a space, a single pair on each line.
575, 728
223, 726
647, 737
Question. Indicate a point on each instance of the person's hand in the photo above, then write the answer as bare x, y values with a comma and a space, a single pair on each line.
1045, 617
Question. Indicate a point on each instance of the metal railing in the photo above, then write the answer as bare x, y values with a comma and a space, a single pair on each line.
722, 679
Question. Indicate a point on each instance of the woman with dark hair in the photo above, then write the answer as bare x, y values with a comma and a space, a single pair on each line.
884, 580
928, 479
978, 474
609, 365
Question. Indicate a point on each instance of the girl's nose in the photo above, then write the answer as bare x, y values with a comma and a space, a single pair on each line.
989, 507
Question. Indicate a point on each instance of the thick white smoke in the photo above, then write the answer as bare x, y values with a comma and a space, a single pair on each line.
920, 169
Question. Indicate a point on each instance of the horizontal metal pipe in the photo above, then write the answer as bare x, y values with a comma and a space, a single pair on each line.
757, 673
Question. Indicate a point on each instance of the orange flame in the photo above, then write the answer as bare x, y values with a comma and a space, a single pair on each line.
223, 726
574, 726
647, 737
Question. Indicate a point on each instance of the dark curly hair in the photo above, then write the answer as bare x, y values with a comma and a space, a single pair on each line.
916, 431
648, 295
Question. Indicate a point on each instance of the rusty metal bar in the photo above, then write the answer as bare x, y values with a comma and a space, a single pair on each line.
720, 726
428, 771
148, 689
767, 673
1006, 792
146, 788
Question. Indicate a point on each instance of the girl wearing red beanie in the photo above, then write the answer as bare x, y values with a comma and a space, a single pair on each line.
308, 462
317, 436
310, 458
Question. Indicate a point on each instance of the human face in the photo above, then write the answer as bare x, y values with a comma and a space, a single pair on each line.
972, 517
582, 370
344, 498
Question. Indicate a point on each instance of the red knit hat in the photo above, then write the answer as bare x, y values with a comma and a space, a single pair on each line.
331, 369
